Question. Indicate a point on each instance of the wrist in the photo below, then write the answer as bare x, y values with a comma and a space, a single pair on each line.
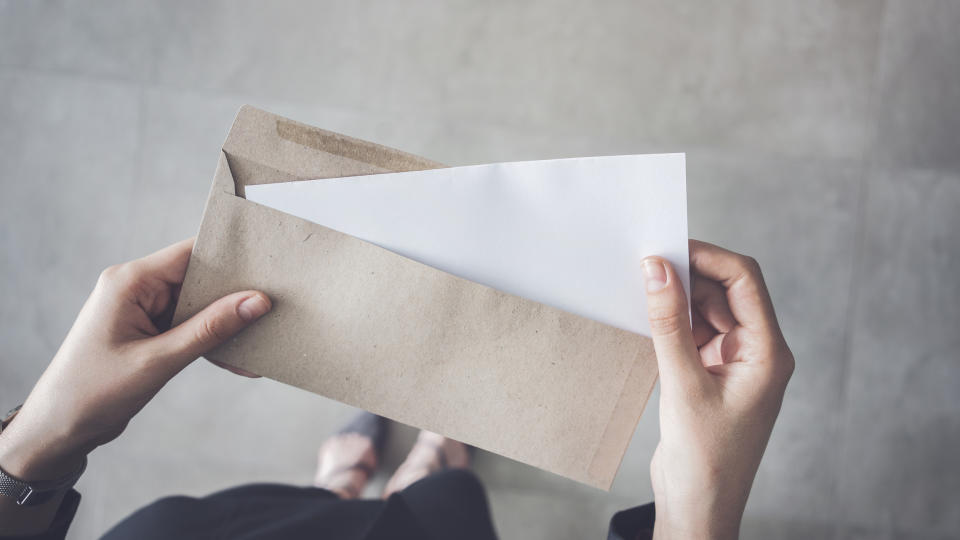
29, 466
672, 527
34, 481
36, 457
31, 494
706, 511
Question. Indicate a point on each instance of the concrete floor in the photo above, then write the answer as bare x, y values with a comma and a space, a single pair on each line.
823, 137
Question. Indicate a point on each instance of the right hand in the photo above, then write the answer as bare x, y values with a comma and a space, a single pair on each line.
119, 353
722, 381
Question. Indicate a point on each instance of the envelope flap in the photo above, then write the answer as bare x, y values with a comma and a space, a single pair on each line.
265, 148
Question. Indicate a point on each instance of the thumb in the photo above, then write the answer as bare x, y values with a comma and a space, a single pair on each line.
217, 323
677, 354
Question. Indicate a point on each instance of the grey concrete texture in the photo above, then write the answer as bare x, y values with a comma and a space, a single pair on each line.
823, 138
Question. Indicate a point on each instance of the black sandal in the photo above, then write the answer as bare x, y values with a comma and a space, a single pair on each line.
372, 426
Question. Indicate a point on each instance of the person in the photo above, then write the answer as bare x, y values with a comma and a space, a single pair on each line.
724, 367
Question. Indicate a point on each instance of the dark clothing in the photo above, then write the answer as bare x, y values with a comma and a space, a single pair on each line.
61, 522
451, 504
633, 524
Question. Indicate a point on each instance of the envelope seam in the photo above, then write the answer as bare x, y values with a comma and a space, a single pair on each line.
617, 411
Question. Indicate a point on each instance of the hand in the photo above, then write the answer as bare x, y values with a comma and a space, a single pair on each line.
721, 385
118, 355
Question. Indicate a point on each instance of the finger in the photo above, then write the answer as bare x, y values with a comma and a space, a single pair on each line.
677, 355
233, 369
149, 281
169, 264
747, 294
710, 301
702, 330
711, 352
217, 323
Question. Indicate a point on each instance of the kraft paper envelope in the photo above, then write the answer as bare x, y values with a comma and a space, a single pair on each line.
368, 327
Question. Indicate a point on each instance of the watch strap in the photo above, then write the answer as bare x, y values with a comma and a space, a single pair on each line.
34, 493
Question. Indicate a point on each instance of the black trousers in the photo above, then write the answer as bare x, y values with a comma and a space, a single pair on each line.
450, 504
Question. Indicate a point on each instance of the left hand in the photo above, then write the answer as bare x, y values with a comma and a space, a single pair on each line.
118, 355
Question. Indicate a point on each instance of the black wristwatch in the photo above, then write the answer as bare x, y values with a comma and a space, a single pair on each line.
34, 493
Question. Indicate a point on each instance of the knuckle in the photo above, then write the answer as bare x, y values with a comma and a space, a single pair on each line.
750, 266
128, 278
108, 275
789, 364
125, 275
209, 331
751, 276
780, 367
665, 321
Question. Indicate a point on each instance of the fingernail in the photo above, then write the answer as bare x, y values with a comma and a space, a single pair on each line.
253, 308
654, 274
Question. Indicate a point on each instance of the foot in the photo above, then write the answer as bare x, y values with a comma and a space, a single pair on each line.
430, 454
347, 460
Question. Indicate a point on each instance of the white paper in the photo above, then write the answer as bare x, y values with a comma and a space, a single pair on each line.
569, 233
